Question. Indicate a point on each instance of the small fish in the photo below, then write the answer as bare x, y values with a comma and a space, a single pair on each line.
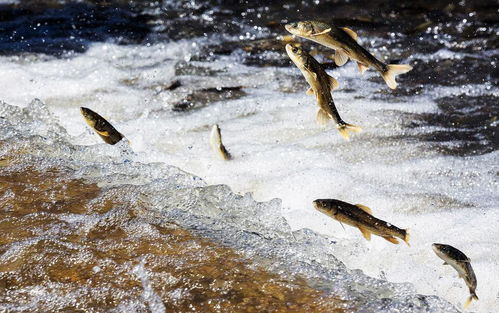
217, 145
321, 85
359, 216
461, 263
344, 41
102, 127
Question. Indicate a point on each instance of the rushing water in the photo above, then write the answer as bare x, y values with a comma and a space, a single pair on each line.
92, 227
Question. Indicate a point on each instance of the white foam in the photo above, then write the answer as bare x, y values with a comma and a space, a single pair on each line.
280, 151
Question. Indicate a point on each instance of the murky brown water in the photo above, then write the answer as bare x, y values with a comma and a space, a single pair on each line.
68, 245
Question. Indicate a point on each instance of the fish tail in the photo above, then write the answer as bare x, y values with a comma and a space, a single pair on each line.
345, 128
392, 70
407, 237
472, 297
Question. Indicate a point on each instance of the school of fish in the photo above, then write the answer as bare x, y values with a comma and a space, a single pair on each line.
344, 41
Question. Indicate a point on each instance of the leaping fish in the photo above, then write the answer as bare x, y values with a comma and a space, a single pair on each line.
360, 216
461, 263
217, 145
321, 85
344, 41
102, 127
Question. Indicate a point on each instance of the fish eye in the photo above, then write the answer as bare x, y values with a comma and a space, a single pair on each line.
294, 25
294, 50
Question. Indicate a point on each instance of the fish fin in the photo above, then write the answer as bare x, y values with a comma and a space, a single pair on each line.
407, 237
333, 83
472, 297
362, 67
445, 263
364, 208
344, 128
104, 133
350, 33
365, 232
314, 52
321, 33
342, 225
322, 117
310, 91
340, 57
392, 240
392, 71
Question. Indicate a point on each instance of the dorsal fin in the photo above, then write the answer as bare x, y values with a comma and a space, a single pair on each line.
364, 208
365, 232
350, 33
333, 83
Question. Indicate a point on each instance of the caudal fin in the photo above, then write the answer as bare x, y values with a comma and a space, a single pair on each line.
472, 297
407, 237
392, 71
345, 128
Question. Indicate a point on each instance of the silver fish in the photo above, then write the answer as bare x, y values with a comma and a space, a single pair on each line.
461, 263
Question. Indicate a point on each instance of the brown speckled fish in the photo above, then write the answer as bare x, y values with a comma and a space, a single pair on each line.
344, 42
360, 216
321, 85
102, 127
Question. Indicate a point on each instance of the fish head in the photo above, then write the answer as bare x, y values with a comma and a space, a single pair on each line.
306, 28
441, 250
89, 116
296, 54
325, 206
301, 29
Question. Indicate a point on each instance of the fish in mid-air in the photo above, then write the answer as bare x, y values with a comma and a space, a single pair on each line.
217, 145
321, 85
344, 42
102, 127
358, 215
461, 263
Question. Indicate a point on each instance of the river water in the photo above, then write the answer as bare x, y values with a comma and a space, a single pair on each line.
157, 223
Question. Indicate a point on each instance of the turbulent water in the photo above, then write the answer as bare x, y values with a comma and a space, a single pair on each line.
92, 227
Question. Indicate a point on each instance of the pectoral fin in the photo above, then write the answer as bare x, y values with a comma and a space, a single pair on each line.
364, 208
340, 57
102, 133
365, 233
322, 117
322, 32
350, 33
333, 83
392, 240
310, 91
362, 67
